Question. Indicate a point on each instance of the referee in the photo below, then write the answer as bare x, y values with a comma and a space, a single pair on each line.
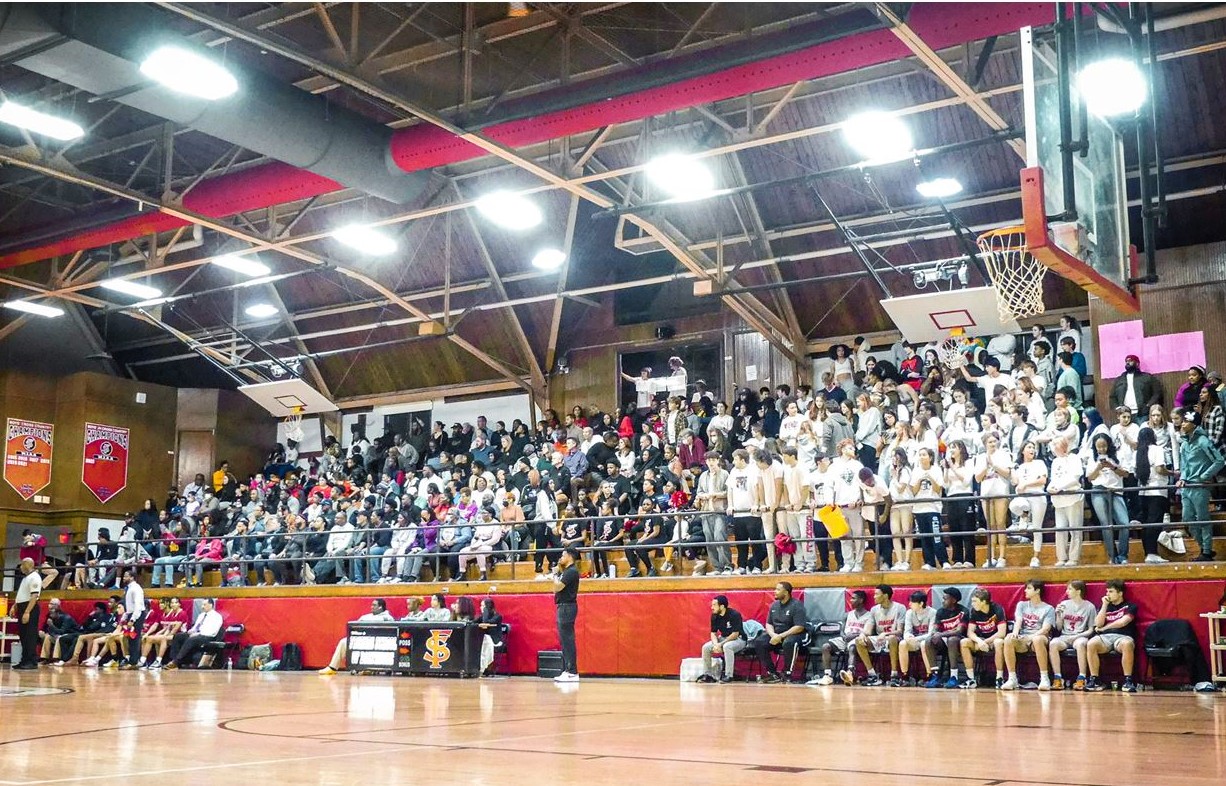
26, 612
566, 598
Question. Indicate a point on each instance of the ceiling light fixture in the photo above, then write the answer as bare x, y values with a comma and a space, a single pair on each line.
37, 309
261, 310
1113, 87
939, 188
39, 123
126, 287
682, 177
548, 259
245, 265
879, 137
509, 211
366, 240
185, 71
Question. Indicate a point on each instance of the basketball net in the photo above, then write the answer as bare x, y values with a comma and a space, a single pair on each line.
1016, 275
952, 351
293, 426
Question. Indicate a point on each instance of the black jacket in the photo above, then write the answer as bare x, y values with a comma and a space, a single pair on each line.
1145, 387
1172, 641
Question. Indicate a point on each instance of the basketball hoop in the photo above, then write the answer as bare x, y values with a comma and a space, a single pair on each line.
293, 426
952, 351
1016, 275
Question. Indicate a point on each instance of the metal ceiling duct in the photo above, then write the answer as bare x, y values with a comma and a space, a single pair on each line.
421, 147
98, 48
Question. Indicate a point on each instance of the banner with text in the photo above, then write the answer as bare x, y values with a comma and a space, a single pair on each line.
27, 455
104, 470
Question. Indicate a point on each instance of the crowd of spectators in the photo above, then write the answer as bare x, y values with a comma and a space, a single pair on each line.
901, 445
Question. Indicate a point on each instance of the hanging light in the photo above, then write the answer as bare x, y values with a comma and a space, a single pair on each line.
261, 310
682, 177
509, 210
548, 259
879, 137
366, 239
37, 309
39, 123
939, 188
185, 71
247, 266
126, 287
1114, 87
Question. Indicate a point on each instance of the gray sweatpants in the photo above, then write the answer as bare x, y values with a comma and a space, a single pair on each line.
731, 648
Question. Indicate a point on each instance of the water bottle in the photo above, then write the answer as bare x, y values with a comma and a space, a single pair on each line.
230, 663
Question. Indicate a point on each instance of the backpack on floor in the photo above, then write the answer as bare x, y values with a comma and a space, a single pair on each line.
291, 658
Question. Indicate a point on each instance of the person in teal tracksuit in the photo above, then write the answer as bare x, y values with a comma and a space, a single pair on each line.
1199, 461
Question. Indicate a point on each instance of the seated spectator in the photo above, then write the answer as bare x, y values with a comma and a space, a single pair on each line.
919, 625
58, 628
1075, 618
208, 554
727, 639
378, 613
858, 621
987, 624
100, 622
415, 612
173, 620
950, 626
1033, 621
1115, 630
34, 547
785, 629
438, 611
883, 636
486, 534
184, 644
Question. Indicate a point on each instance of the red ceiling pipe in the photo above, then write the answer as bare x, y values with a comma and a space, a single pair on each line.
421, 147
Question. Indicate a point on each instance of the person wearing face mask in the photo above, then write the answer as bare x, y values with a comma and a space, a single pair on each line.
1135, 389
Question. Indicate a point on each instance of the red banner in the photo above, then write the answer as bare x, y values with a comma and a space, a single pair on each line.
27, 455
104, 470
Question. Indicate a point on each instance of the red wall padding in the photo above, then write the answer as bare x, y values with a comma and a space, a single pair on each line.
633, 633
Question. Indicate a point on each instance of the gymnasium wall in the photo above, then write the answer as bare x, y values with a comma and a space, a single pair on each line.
1190, 296
633, 633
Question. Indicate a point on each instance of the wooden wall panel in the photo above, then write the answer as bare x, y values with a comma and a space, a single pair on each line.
245, 432
1190, 296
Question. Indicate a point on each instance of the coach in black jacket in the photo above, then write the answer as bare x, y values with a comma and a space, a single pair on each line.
1144, 389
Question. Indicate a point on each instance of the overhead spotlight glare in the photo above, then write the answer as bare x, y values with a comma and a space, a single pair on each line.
878, 137
261, 310
1113, 87
126, 287
682, 177
548, 259
509, 211
37, 309
244, 265
39, 123
939, 188
365, 239
185, 71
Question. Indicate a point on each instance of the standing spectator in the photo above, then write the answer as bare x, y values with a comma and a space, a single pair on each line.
1151, 474
848, 498
1189, 392
959, 509
727, 639
712, 499
993, 471
1135, 389
1106, 476
742, 503
134, 604
566, 603
926, 485
1200, 461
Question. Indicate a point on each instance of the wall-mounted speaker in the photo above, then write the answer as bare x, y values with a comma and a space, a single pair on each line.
665, 332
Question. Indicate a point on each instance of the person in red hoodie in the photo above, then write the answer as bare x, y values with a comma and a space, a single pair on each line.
34, 548
912, 367
209, 552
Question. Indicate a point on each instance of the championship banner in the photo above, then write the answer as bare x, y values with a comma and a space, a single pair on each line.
27, 455
104, 470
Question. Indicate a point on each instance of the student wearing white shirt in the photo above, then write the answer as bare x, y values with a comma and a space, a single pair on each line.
1030, 477
821, 480
742, 500
1064, 477
902, 522
848, 499
644, 389
959, 509
927, 482
770, 502
789, 427
1151, 471
918, 626
137, 609
1106, 476
993, 470
875, 514
722, 420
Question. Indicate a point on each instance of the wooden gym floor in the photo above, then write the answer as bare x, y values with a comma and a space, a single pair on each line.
78, 726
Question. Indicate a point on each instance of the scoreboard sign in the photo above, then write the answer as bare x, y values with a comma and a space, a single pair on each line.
27, 455
104, 468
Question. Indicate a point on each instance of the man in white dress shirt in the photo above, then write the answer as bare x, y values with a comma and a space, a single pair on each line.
203, 630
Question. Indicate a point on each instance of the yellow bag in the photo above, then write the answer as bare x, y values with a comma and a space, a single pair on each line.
834, 521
